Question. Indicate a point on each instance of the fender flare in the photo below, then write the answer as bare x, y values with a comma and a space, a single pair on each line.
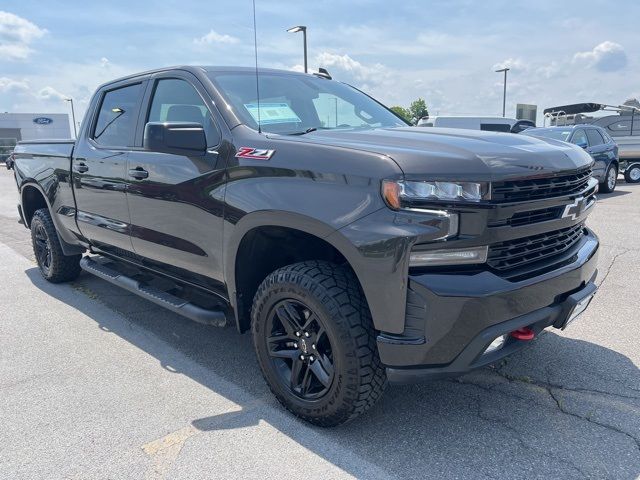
67, 248
272, 218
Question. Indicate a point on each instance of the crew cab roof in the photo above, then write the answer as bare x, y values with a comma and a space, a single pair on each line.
195, 69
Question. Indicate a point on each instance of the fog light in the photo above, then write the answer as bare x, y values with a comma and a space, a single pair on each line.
497, 344
460, 256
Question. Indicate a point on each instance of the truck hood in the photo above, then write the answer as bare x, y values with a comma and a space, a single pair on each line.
447, 153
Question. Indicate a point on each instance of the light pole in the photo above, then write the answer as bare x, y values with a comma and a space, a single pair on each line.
504, 92
73, 117
303, 29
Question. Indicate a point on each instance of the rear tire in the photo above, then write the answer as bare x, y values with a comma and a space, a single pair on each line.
315, 342
610, 180
632, 174
54, 265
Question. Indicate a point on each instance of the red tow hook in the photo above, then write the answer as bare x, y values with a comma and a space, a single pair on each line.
524, 333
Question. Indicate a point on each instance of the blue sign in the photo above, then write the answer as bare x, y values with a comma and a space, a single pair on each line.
42, 120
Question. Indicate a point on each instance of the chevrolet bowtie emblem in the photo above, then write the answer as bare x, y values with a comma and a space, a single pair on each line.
575, 209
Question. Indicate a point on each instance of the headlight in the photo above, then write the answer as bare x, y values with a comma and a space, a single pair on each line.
406, 193
457, 256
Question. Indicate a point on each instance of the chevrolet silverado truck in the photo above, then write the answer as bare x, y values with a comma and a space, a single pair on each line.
357, 250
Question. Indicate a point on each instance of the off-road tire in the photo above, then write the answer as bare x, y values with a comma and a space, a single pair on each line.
57, 267
604, 186
627, 174
333, 293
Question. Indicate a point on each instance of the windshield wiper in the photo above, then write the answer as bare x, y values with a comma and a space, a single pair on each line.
308, 130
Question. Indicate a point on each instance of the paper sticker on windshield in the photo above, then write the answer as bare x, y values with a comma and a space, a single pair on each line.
272, 113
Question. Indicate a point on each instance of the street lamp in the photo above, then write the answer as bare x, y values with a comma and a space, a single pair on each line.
303, 29
73, 116
504, 93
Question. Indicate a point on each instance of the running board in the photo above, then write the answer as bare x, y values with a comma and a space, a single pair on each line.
178, 305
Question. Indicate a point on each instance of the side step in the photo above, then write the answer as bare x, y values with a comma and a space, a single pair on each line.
178, 305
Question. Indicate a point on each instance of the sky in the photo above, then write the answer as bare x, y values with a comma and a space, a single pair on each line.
443, 51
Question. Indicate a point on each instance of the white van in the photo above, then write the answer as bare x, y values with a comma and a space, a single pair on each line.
493, 124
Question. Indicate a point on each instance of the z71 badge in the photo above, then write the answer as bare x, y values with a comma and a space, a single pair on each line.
254, 153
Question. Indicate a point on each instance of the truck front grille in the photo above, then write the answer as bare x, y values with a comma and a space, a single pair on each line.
529, 217
539, 188
513, 254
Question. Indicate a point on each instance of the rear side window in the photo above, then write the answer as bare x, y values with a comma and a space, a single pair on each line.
579, 138
116, 123
594, 137
176, 100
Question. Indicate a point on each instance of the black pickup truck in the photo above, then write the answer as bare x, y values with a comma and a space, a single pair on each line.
357, 249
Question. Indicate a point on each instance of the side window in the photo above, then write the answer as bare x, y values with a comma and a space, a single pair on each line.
115, 126
594, 137
579, 138
334, 111
176, 100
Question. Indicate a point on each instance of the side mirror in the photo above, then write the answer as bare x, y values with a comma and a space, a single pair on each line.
178, 138
583, 144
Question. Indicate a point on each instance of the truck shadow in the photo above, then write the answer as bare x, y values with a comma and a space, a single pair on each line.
563, 408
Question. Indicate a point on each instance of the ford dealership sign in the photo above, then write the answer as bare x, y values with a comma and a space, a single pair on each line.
42, 120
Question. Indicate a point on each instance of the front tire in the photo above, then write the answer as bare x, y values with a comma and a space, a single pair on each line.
610, 180
315, 342
632, 174
54, 265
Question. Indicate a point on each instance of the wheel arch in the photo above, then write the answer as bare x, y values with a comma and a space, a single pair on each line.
288, 238
32, 198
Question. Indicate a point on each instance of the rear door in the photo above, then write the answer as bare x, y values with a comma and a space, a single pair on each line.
99, 167
176, 206
598, 149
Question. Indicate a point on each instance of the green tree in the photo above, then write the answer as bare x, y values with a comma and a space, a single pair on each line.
418, 109
403, 112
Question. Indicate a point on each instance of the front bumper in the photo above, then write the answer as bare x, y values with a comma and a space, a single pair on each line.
453, 317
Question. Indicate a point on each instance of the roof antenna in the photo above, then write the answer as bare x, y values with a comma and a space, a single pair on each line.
255, 47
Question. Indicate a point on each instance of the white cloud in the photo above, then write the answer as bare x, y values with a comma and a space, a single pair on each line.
50, 93
14, 51
16, 34
104, 62
606, 57
515, 64
215, 37
10, 85
360, 72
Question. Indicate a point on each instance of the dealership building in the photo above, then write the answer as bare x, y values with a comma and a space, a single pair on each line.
30, 126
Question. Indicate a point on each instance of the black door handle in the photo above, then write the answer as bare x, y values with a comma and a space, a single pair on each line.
81, 168
138, 173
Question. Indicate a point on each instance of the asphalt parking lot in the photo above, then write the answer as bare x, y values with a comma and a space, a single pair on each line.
96, 383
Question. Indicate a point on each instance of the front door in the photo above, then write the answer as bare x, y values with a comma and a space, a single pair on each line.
99, 169
176, 201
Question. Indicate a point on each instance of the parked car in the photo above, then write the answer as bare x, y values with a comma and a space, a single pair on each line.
358, 250
596, 141
623, 126
491, 124
9, 162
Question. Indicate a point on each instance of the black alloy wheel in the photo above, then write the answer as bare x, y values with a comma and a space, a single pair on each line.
54, 265
42, 248
300, 349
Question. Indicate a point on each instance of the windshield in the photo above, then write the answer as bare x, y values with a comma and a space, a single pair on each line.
291, 103
555, 133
